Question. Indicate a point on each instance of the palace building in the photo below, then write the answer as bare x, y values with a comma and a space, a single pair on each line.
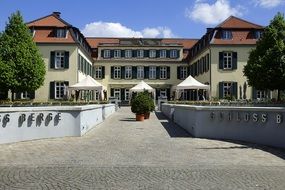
119, 64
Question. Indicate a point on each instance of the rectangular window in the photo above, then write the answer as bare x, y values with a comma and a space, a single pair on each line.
60, 33
152, 53
59, 59
128, 72
163, 93
98, 72
257, 34
140, 53
228, 57
107, 53
128, 53
173, 53
261, 94
117, 53
140, 72
117, 93
97, 94
183, 72
117, 72
127, 94
227, 89
163, 72
152, 72
25, 95
162, 53
227, 34
60, 90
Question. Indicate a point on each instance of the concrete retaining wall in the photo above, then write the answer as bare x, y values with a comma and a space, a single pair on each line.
28, 123
262, 125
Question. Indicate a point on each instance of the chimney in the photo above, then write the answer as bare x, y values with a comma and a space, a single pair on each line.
57, 14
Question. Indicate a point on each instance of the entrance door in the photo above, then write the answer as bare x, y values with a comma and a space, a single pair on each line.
127, 94
117, 93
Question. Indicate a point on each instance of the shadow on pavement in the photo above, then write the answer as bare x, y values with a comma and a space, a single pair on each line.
172, 129
128, 119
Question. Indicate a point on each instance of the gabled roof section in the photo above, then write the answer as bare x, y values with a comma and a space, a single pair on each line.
52, 20
234, 22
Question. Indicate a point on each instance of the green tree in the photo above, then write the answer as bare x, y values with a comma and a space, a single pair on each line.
266, 65
22, 67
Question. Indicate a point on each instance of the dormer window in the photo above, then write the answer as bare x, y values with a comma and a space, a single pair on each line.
162, 53
152, 53
173, 53
117, 53
257, 34
60, 33
33, 32
107, 53
227, 34
140, 53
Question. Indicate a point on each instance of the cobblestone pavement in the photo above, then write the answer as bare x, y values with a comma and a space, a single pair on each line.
155, 154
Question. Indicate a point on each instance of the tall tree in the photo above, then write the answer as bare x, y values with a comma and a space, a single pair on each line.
22, 67
265, 68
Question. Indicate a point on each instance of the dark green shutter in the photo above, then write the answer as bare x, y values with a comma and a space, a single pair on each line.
112, 72
168, 93
66, 60
146, 53
157, 53
167, 53
52, 59
32, 95
221, 60
234, 60
146, 72
123, 53
102, 53
208, 62
111, 53
134, 53
51, 90
122, 94
168, 72
134, 72
158, 72
235, 89
122, 72
103, 72
112, 92
221, 90
254, 93
178, 72
157, 93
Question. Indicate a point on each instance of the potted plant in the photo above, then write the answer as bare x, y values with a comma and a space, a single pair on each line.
151, 106
140, 105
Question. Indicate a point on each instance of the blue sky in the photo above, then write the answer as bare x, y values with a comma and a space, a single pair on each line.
144, 18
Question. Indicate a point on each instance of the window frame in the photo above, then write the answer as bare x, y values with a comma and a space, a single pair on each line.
227, 60
140, 72
59, 59
227, 91
162, 53
128, 53
117, 72
227, 35
25, 95
152, 53
162, 72
106, 54
173, 53
128, 72
183, 72
59, 90
117, 53
98, 74
117, 91
140, 53
152, 72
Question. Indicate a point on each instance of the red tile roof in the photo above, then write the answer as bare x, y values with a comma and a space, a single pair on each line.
52, 20
94, 42
186, 43
234, 22
239, 37
46, 36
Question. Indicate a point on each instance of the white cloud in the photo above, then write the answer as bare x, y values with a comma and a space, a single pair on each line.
268, 3
213, 13
110, 29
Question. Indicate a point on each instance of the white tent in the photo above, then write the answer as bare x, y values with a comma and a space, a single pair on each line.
88, 84
191, 83
142, 86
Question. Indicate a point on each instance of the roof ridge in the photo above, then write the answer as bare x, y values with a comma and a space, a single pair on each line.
219, 25
92, 37
52, 14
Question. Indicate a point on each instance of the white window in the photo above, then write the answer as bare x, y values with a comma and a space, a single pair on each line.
226, 34
107, 53
152, 72
117, 53
163, 72
128, 53
227, 60
261, 94
128, 72
127, 94
162, 53
140, 53
257, 34
25, 95
60, 33
60, 90
140, 72
117, 72
152, 53
227, 89
117, 93
59, 59
98, 72
97, 95
183, 72
173, 53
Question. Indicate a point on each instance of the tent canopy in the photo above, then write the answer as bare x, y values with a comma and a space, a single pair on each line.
142, 86
191, 83
87, 84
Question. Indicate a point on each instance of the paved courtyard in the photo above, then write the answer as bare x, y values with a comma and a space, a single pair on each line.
155, 154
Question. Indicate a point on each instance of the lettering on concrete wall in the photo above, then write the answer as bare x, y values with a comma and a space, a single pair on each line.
245, 117
31, 118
